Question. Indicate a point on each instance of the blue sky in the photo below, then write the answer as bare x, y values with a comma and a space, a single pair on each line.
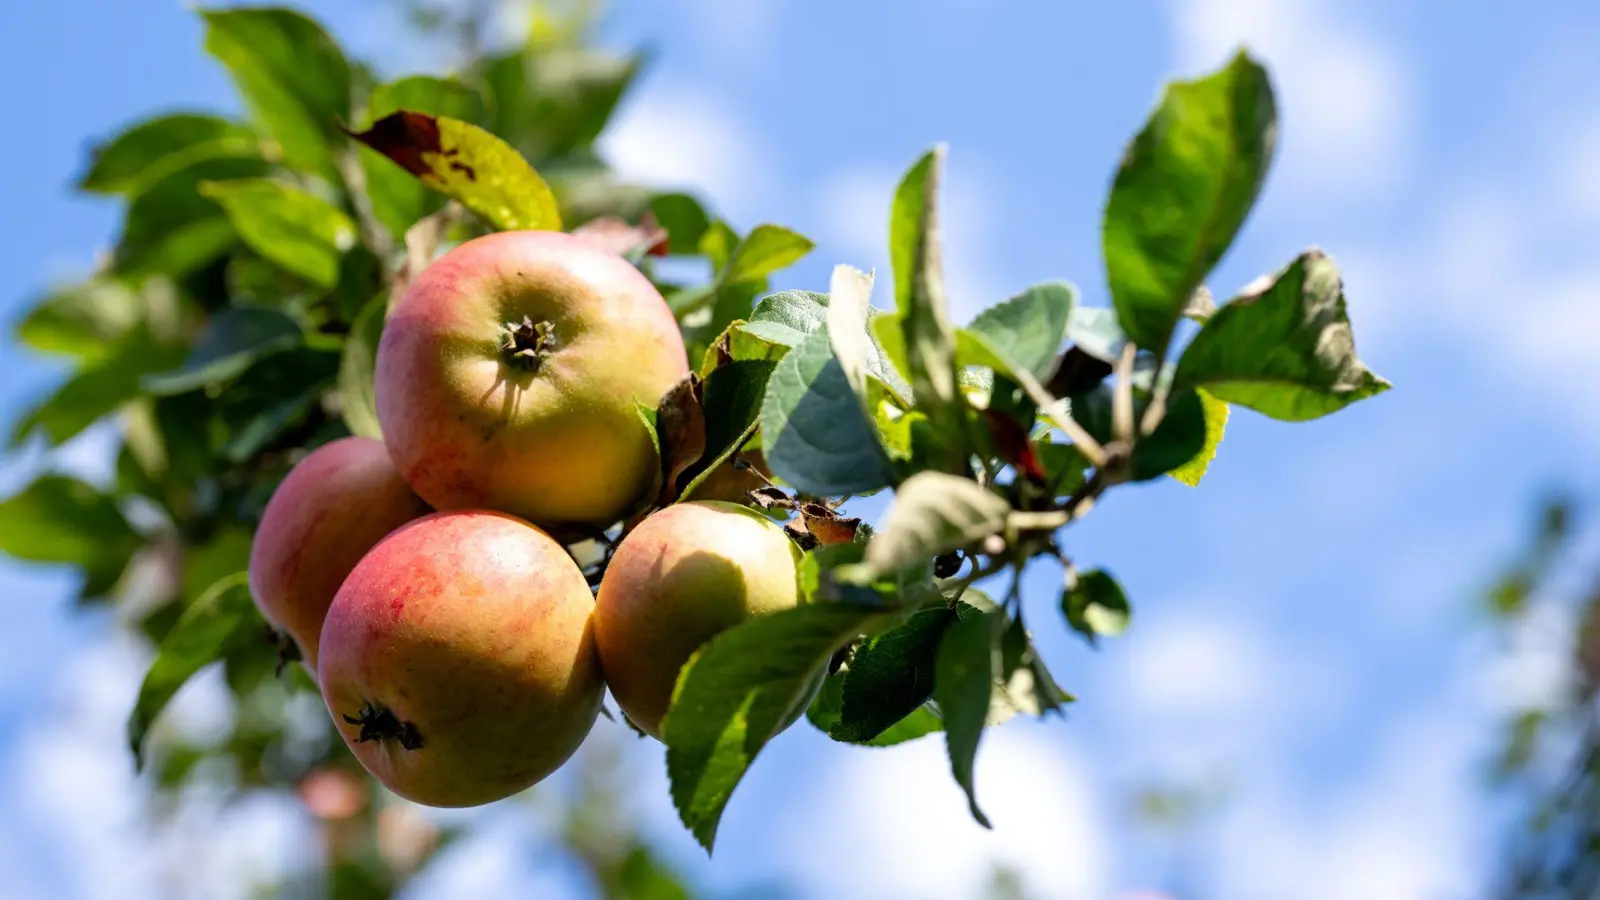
1304, 629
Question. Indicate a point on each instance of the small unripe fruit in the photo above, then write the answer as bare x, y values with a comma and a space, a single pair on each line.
326, 514
685, 574
508, 374
459, 661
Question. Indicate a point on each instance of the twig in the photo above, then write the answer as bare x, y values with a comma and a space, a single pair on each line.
373, 233
1122, 399
1085, 442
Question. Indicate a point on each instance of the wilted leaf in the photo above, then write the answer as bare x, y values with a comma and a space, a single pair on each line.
1287, 352
399, 200
618, 236
1184, 187
731, 404
681, 431
463, 161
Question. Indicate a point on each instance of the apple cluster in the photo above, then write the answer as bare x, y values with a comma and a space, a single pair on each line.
459, 647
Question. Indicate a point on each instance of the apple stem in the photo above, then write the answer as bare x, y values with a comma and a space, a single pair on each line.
380, 723
527, 342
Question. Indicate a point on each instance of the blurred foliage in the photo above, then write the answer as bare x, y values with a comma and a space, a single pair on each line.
217, 336
1548, 763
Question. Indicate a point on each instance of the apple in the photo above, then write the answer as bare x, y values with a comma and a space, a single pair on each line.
508, 374
331, 508
685, 574
458, 660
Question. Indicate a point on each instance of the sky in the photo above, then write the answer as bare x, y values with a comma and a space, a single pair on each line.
1304, 631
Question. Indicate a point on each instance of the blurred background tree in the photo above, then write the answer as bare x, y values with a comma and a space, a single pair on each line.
221, 333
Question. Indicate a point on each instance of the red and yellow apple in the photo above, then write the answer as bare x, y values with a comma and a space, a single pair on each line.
458, 659
333, 506
685, 574
508, 372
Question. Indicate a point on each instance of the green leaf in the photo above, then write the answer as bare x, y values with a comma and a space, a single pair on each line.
171, 229
1216, 413
684, 219
763, 251
357, 399
87, 321
890, 677
932, 513
963, 684
292, 75
303, 234
97, 389
267, 400
731, 399
788, 317
463, 161
1287, 352
1185, 185
57, 519
1095, 605
738, 691
815, 435
234, 340
552, 99
1065, 467
929, 344
1095, 331
717, 244
156, 148
399, 200
201, 634
1179, 438
1028, 329
1026, 685
922, 722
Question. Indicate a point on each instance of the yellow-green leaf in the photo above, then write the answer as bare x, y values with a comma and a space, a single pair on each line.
1216, 412
463, 161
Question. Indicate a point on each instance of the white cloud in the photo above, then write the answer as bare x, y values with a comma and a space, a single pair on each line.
675, 137
1343, 95
1200, 692
893, 824
1405, 828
